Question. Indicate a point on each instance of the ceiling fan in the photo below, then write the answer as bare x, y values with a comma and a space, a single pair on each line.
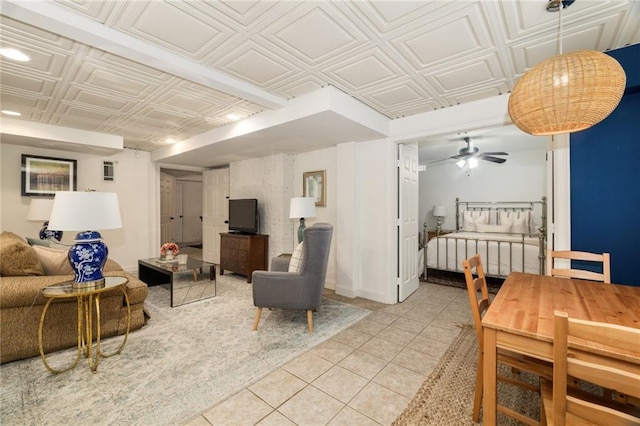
470, 155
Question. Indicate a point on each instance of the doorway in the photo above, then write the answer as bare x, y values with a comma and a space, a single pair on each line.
181, 207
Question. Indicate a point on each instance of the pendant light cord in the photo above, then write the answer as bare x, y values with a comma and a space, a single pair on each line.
560, 29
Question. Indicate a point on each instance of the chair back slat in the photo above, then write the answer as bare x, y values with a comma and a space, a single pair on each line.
474, 285
593, 352
604, 259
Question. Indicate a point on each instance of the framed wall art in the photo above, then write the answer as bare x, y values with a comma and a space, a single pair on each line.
46, 175
314, 185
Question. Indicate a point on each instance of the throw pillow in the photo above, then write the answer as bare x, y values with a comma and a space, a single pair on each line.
521, 220
483, 227
17, 258
38, 242
472, 217
295, 264
53, 261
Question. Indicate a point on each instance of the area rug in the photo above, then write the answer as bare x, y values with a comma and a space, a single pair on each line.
183, 362
457, 280
446, 397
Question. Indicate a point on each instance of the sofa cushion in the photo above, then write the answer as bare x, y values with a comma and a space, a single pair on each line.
17, 258
111, 265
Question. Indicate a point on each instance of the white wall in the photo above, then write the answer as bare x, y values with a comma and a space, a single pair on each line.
521, 178
271, 181
324, 159
376, 221
274, 180
136, 183
365, 218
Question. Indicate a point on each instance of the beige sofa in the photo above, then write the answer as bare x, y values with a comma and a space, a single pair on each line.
23, 269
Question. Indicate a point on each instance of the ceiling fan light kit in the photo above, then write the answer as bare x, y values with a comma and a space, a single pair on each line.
469, 156
568, 92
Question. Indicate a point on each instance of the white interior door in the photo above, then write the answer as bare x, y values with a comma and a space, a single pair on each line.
408, 281
192, 210
215, 193
177, 224
167, 183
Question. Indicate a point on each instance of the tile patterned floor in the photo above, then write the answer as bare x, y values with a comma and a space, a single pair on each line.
365, 375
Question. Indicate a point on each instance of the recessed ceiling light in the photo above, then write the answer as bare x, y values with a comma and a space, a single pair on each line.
170, 140
7, 112
14, 54
233, 117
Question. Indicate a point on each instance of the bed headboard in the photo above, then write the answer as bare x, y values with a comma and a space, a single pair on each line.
537, 208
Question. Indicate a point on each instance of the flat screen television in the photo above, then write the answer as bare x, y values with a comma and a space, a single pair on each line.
243, 216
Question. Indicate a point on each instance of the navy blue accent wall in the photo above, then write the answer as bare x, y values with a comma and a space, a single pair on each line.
605, 180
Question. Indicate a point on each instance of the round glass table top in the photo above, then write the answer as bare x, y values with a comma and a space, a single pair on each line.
66, 289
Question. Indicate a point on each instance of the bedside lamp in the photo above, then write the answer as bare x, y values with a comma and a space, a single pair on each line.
40, 210
302, 207
439, 212
86, 212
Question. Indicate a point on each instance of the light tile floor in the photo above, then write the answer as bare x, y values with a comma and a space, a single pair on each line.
365, 375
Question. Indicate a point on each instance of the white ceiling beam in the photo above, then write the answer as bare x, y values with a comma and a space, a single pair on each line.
55, 19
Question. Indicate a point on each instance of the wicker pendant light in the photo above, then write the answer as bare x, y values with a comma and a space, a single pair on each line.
567, 93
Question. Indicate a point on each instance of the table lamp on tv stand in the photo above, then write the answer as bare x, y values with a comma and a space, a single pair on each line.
86, 211
302, 207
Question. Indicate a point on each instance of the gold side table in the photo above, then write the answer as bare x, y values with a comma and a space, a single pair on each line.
87, 298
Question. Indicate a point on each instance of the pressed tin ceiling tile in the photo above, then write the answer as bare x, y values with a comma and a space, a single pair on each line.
398, 57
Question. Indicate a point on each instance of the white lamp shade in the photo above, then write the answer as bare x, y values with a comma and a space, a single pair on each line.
85, 211
40, 209
302, 207
439, 211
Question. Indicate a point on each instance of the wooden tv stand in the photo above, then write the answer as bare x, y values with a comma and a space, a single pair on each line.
243, 254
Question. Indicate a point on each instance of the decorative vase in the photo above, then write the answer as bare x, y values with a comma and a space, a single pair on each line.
87, 257
169, 255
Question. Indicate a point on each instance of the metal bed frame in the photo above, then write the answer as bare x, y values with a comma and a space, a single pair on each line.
493, 207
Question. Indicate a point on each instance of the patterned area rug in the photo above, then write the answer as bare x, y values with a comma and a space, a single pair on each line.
183, 362
446, 397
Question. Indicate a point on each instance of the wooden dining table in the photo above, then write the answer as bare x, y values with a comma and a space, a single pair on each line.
520, 319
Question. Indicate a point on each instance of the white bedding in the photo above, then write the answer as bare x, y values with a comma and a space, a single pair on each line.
500, 253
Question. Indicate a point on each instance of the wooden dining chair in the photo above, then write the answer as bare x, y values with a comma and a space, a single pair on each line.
603, 258
479, 305
562, 405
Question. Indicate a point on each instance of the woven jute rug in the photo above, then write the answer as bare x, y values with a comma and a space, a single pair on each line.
446, 397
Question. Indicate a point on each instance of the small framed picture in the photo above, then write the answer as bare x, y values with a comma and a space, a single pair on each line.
315, 185
46, 175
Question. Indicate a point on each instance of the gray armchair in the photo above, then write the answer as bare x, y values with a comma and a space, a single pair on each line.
296, 290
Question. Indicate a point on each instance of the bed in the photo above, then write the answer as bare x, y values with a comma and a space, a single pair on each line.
509, 236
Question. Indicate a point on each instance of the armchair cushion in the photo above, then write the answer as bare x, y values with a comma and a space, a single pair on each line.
295, 264
280, 263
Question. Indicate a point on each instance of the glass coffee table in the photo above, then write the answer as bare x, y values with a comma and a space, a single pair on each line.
191, 282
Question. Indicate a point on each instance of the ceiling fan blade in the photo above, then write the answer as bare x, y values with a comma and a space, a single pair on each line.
438, 161
492, 159
465, 156
495, 153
